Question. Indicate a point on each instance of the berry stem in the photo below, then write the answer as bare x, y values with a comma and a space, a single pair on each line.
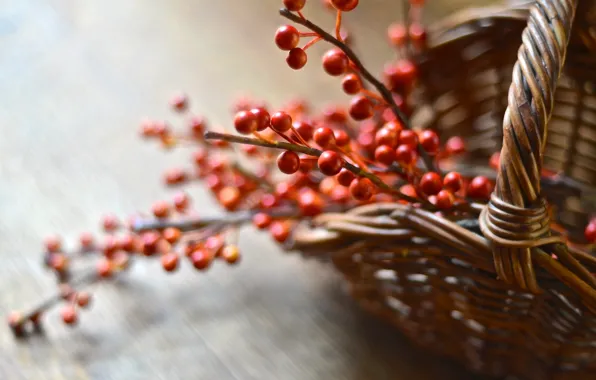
338, 26
383, 90
312, 42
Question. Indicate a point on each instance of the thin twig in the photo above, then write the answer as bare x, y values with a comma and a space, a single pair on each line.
383, 90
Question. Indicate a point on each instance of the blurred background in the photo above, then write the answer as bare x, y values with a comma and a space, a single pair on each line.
76, 78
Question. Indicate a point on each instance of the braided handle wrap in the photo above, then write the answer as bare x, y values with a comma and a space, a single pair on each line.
516, 219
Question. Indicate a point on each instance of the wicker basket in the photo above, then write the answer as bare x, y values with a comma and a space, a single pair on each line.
497, 289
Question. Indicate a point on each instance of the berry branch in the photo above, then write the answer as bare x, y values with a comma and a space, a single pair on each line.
311, 152
383, 90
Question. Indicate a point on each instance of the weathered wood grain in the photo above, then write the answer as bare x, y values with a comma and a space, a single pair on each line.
75, 79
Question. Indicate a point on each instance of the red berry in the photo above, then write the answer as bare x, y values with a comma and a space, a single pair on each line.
453, 182
431, 183
297, 58
179, 102
405, 155
201, 259
324, 137
455, 145
397, 34
175, 176
83, 299
148, 129
53, 243
351, 84
480, 188
197, 126
444, 200
340, 194
261, 220
110, 223
417, 2
400, 76
344, 5
149, 242
169, 261
86, 241
288, 162
294, 5
418, 35
335, 62
280, 231
214, 182
69, 315
200, 157
304, 129
245, 122
287, 37
104, 268
281, 122
366, 140
181, 201
161, 209
268, 201
429, 141
385, 154
409, 190
341, 137
408, 137
388, 137
362, 189
172, 235
307, 164
262, 117
345, 177
335, 114
229, 197
590, 232
330, 162
394, 125
231, 254
361, 108
110, 246
128, 243
310, 203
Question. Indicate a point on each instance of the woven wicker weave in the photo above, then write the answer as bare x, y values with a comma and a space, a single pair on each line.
485, 288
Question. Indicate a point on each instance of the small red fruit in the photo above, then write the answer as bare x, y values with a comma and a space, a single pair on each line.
418, 35
341, 137
351, 84
179, 102
201, 259
444, 200
408, 137
245, 122
453, 182
388, 137
281, 122
69, 315
480, 188
345, 177
104, 268
297, 58
385, 154
83, 299
261, 220
161, 209
310, 203
361, 108
400, 76
455, 145
429, 141
262, 117
110, 223
344, 5
294, 5
361, 189
287, 37
53, 243
197, 126
280, 231
397, 34
405, 155
431, 183
181, 201
335, 62
304, 129
169, 261
324, 137
330, 162
590, 232
288, 162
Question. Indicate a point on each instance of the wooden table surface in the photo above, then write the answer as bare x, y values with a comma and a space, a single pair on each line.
76, 77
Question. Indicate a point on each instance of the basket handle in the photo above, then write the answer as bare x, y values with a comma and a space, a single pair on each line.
516, 220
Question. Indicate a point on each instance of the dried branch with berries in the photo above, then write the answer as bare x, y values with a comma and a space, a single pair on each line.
343, 158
